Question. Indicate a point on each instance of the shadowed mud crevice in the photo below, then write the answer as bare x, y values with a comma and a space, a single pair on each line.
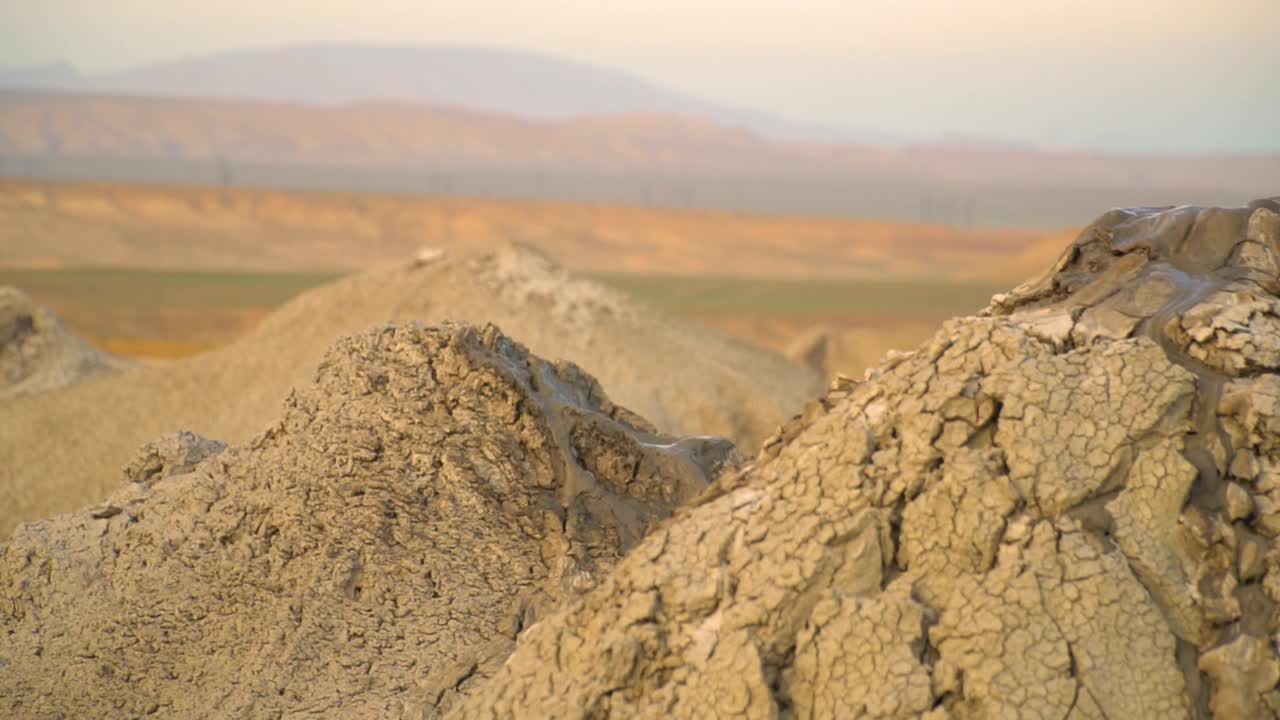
17, 330
1198, 687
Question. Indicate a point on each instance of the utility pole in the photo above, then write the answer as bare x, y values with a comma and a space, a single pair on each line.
224, 171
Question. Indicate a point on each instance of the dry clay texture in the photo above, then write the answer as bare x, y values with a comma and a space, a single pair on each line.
1066, 507
38, 354
61, 451
372, 553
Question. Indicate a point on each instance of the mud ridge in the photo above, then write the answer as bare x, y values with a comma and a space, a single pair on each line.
373, 553
1067, 506
685, 380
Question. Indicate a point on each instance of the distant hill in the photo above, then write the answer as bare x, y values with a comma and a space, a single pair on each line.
651, 159
526, 84
372, 134
55, 76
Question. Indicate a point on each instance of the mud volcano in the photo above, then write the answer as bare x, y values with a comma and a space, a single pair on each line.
373, 553
1066, 507
38, 354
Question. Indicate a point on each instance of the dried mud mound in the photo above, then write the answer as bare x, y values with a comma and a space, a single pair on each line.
1067, 507
371, 554
685, 380
64, 450
38, 354
852, 351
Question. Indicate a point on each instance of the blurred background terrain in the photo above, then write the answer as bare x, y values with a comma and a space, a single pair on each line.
752, 169
161, 272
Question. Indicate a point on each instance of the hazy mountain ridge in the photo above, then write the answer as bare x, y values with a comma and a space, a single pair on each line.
527, 84
73, 123
497, 123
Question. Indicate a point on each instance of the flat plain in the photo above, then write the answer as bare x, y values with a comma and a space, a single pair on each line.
161, 272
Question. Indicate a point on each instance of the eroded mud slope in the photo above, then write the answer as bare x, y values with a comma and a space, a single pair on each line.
1067, 507
372, 553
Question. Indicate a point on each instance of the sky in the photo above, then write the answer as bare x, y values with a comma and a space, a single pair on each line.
1182, 76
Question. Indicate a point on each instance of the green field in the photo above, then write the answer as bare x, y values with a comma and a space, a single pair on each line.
925, 299
160, 314
174, 289
174, 313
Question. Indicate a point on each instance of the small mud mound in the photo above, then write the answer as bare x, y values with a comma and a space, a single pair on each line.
37, 354
852, 351
65, 451
378, 548
685, 380
1066, 507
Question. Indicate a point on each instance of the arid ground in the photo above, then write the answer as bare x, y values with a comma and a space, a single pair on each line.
377, 503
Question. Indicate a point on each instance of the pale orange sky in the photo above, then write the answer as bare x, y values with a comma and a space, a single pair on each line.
1144, 74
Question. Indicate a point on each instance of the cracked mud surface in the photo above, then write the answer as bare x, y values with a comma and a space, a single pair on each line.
1066, 507
38, 354
63, 450
372, 553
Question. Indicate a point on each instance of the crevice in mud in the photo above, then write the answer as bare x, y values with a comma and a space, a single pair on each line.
1094, 516
1208, 490
778, 676
1198, 686
894, 567
923, 648
21, 327
1073, 669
